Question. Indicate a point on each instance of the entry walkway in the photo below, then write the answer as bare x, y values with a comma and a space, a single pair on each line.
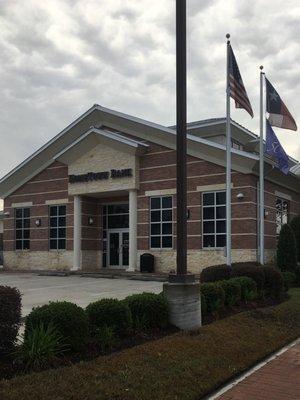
277, 380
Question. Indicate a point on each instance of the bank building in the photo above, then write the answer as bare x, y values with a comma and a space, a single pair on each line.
102, 193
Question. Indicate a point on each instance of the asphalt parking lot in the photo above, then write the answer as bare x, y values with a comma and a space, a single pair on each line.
38, 290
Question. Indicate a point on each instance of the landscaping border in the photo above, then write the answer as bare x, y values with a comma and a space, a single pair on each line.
186, 366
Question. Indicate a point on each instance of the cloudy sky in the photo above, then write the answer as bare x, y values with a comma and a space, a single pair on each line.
59, 57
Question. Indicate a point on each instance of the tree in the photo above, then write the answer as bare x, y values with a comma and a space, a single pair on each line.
286, 249
295, 225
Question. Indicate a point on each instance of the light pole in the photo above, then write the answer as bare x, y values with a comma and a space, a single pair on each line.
182, 292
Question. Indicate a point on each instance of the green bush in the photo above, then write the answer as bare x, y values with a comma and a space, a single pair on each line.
248, 288
41, 347
214, 297
203, 305
273, 285
289, 279
10, 317
297, 272
148, 311
69, 319
106, 338
111, 313
215, 273
232, 290
295, 225
286, 249
251, 270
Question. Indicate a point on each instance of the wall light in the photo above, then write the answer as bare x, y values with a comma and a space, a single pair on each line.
91, 221
38, 222
240, 196
6, 214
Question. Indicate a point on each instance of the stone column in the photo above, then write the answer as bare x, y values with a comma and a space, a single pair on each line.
184, 304
77, 234
132, 230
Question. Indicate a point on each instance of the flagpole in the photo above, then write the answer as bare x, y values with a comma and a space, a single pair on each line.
228, 161
261, 173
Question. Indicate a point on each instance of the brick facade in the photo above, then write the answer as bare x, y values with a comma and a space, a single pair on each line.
156, 171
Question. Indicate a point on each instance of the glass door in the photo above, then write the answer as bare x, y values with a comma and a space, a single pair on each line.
118, 249
114, 249
125, 249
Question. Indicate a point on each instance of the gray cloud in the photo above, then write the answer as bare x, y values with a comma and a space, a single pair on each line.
60, 57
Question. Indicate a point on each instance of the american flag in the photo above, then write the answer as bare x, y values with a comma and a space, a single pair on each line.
236, 86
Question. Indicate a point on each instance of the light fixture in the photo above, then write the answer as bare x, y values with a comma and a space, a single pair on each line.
91, 221
266, 213
6, 214
38, 222
240, 196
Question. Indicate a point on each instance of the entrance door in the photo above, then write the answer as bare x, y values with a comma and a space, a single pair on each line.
118, 246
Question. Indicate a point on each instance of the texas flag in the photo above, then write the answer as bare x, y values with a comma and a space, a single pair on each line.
275, 150
279, 115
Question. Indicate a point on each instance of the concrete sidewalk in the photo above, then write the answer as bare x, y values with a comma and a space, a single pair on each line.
38, 290
279, 379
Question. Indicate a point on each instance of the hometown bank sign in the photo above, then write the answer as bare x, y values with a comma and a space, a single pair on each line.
100, 176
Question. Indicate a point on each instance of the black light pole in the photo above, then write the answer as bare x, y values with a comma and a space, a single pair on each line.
181, 136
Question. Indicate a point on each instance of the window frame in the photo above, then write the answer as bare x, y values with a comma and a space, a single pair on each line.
215, 220
22, 229
161, 222
57, 227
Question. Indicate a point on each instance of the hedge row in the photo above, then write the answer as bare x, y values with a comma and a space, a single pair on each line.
183, 366
269, 280
226, 293
118, 318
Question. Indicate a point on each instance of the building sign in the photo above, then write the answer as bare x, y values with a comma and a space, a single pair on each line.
100, 176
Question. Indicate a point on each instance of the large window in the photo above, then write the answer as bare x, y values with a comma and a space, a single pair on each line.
22, 219
214, 219
282, 214
57, 227
161, 228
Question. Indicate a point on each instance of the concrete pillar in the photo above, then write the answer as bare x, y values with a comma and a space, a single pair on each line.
184, 304
77, 234
132, 230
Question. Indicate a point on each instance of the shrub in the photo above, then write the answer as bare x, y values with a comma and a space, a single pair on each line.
203, 305
248, 288
69, 319
251, 270
41, 347
214, 297
297, 272
289, 279
106, 338
295, 225
10, 317
274, 285
215, 273
232, 290
286, 249
148, 311
111, 313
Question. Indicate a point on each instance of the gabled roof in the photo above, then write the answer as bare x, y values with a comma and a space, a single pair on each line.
95, 136
98, 116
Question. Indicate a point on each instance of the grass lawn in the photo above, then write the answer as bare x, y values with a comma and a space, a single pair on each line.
180, 366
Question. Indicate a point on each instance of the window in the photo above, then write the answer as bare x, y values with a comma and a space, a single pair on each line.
214, 219
57, 227
22, 219
161, 227
282, 214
